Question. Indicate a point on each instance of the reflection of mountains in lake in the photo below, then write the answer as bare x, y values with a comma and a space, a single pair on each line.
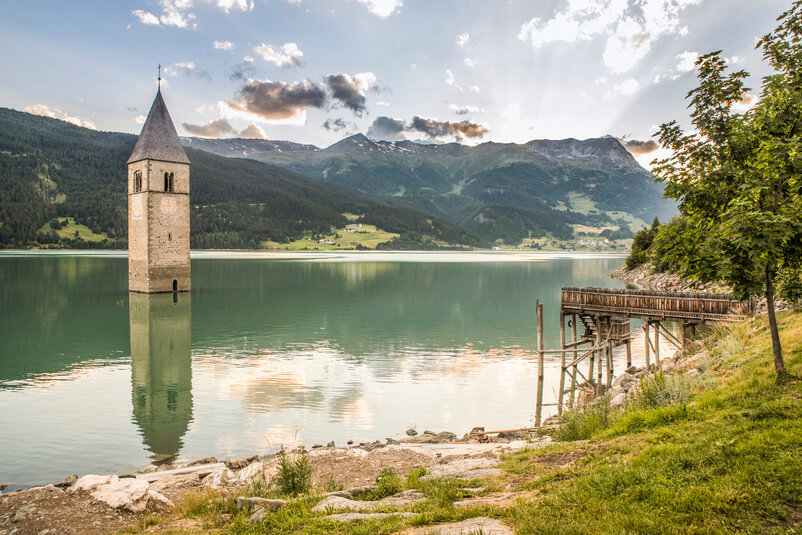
368, 307
161, 370
63, 312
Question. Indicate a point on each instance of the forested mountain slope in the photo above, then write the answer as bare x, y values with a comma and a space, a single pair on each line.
50, 168
499, 190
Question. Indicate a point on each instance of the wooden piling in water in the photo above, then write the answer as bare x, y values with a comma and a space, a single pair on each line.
540, 363
562, 365
657, 343
599, 353
573, 359
646, 342
629, 352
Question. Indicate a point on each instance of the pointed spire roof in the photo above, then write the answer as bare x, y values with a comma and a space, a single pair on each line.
159, 140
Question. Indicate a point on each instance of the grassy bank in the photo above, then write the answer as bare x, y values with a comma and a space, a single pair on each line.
717, 450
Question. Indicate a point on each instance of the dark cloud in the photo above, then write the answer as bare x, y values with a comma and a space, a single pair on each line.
393, 129
132, 108
386, 128
435, 128
278, 100
639, 148
217, 128
348, 91
335, 125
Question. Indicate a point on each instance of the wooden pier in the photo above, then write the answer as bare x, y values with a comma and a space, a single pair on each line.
605, 314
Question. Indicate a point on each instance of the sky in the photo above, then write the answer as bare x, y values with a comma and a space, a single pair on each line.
315, 71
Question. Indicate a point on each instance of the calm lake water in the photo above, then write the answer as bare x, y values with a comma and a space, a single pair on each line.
268, 349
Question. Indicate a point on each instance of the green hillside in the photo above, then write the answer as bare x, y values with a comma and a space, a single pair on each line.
52, 169
501, 191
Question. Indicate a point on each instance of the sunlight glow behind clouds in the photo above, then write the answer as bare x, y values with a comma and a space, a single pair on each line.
630, 27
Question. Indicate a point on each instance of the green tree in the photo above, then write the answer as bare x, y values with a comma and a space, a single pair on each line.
737, 176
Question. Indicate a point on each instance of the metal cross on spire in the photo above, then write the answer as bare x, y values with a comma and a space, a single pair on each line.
160, 75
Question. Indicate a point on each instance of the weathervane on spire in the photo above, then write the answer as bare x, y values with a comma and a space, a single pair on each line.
160, 75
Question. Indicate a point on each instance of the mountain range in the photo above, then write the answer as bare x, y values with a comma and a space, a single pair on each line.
498, 190
245, 191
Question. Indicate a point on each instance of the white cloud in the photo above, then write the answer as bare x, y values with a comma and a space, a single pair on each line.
471, 62
176, 13
185, 69
365, 81
450, 80
686, 61
55, 113
146, 18
382, 8
462, 110
475, 89
382, 103
248, 59
254, 132
288, 56
223, 45
463, 39
140, 119
630, 27
228, 5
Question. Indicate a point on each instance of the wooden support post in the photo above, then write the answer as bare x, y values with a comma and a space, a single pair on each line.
646, 342
540, 363
629, 351
562, 366
575, 355
657, 343
693, 330
609, 365
599, 354
682, 351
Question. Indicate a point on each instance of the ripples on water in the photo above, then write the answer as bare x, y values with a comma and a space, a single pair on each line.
267, 349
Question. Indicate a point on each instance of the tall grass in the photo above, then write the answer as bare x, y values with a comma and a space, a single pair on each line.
661, 390
584, 421
294, 475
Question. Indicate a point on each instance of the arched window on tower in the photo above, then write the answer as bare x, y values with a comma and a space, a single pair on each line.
166, 181
171, 182
137, 181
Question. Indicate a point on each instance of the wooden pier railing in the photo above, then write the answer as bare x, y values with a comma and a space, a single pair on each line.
688, 307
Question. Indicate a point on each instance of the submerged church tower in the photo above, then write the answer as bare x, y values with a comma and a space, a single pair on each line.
158, 207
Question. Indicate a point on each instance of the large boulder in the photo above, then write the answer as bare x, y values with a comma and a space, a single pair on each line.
129, 494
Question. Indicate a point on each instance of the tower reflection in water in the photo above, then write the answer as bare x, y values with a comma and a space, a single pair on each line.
161, 370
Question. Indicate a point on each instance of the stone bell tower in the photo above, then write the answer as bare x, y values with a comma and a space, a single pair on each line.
158, 207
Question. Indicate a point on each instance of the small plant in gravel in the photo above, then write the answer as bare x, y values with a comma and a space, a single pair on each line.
387, 484
332, 485
294, 474
414, 476
441, 492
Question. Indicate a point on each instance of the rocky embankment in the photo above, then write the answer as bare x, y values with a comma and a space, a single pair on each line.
644, 278
102, 503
